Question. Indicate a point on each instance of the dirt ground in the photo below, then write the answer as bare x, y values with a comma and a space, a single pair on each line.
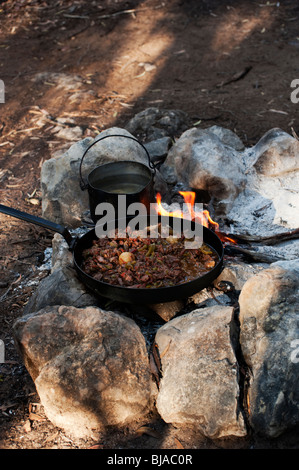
74, 68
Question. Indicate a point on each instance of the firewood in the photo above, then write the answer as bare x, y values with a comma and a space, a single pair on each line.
254, 256
270, 240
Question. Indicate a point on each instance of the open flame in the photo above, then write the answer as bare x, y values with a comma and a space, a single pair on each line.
202, 217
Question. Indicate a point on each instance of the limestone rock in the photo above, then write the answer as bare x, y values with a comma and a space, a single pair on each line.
237, 273
90, 367
63, 201
199, 385
154, 123
113, 149
270, 203
61, 255
158, 149
276, 153
227, 137
61, 287
269, 319
203, 162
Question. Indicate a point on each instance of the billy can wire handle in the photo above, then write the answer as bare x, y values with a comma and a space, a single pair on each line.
84, 185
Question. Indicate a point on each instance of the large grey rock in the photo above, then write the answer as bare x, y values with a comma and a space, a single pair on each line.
61, 254
61, 287
270, 202
227, 137
90, 367
202, 161
237, 273
63, 200
199, 385
269, 320
158, 149
276, 153
154, 123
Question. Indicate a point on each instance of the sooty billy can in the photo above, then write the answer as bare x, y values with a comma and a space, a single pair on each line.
106, 182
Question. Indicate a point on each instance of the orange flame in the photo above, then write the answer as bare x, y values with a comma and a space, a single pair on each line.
202, 217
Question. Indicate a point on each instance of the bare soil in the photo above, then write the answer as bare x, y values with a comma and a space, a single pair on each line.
74, 68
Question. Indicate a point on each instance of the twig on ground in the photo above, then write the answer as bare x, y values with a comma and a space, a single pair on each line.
236, 77
132, 11
10, 287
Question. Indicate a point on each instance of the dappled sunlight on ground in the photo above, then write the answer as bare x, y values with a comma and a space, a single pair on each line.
236, 26
139, 59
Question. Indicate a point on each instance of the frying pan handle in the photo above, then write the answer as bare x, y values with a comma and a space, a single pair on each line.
39, 221
83, 185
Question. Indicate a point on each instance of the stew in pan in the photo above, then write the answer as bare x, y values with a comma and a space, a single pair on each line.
146, 262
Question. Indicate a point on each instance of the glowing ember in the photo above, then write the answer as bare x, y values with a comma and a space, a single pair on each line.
200, 216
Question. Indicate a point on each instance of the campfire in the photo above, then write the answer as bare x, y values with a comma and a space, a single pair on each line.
141, 348
241, 244
201, 216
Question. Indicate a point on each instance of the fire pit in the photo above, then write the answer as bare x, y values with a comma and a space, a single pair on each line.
202, 365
